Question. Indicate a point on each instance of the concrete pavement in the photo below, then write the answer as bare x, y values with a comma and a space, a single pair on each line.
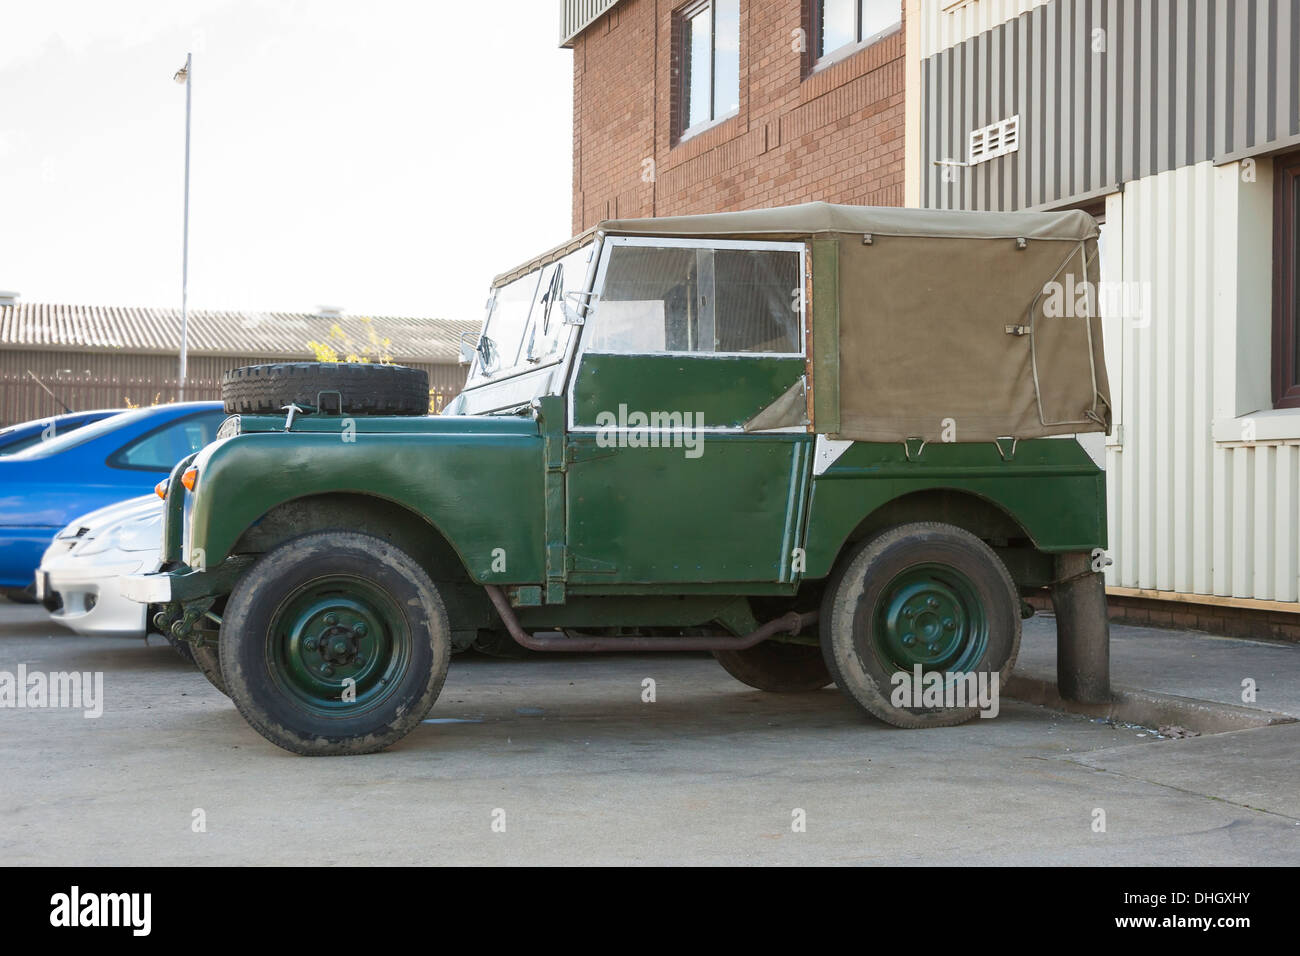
582, 770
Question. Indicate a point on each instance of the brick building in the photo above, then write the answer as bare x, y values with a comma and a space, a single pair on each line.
685, 106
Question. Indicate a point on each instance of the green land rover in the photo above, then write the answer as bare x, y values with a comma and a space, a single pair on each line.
825, 443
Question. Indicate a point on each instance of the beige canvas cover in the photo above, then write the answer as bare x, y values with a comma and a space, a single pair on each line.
968, 339
938, 324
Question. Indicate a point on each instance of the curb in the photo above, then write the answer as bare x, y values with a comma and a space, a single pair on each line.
1147, 708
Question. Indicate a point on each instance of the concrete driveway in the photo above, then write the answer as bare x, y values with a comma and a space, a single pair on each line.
559, 760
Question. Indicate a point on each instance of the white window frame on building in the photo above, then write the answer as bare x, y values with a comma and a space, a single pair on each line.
687, 91
863, 20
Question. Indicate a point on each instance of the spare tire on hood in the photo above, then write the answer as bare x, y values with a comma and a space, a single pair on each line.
364, 388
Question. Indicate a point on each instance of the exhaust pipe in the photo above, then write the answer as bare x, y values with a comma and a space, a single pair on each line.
791, 623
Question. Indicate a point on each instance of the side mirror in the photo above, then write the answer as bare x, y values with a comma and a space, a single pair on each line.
468, 347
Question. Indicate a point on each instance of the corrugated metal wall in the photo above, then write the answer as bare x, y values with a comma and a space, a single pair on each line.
86, 380
1107, 91
1176, 87
1189, 513
946, 22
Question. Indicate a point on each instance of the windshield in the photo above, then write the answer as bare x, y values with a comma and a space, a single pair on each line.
78, 436
525, 327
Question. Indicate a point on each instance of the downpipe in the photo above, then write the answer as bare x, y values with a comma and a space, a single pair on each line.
791, 623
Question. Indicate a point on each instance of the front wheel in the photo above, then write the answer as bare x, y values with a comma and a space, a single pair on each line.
922, 599
335, 643
207, 659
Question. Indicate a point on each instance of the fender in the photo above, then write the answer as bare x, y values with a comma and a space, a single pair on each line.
1051, 488
478, 481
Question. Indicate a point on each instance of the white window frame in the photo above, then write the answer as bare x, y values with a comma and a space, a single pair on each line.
687, 12
606, 251
846, 50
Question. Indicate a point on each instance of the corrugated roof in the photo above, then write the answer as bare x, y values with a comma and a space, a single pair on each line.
38, 325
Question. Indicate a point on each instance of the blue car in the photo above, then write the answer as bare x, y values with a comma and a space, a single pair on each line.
22, 436
54, 481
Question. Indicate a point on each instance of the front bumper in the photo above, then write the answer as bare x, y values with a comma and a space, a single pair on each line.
182, 583
147, 588
90, 602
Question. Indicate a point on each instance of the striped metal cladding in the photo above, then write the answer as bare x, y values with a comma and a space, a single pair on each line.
1179, 82
958, 20
577, 15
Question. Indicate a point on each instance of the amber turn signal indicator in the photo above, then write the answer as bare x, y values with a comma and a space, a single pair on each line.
190, 476
160, 489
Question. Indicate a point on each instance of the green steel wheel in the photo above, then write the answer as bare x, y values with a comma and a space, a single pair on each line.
335, 643
925, 596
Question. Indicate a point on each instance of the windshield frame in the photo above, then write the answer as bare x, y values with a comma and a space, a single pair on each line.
538, 312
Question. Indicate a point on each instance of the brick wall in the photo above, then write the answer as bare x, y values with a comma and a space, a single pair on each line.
833, 134
1253, 623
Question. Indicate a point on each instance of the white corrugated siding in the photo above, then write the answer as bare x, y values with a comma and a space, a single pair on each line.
948, 22
1189, 513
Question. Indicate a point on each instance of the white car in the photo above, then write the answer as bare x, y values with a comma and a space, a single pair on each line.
77, 580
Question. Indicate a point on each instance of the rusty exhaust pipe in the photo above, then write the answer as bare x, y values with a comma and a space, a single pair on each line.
791, 623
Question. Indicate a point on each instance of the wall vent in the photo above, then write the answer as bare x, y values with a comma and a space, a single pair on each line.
996, 139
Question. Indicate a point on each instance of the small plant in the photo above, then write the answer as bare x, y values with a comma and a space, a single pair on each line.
340, 347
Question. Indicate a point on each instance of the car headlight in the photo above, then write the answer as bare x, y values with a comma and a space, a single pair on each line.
142, 533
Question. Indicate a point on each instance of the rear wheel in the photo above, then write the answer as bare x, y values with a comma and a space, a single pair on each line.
778, 667
924, 596
335, 643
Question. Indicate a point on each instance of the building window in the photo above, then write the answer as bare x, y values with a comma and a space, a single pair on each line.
1286, 282
708, 54
841, 25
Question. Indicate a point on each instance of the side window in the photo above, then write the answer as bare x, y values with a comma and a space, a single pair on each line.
160, 449
706, 47
839, 25
703, 300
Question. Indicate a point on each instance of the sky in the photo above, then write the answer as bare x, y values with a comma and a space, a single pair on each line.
386, 157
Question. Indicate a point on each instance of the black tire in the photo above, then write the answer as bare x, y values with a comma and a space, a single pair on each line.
778, 667
850, 625
182, 648
267, 665
25, 595
366, 388
208, 660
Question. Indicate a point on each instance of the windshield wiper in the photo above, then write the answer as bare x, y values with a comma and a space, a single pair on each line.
487, 350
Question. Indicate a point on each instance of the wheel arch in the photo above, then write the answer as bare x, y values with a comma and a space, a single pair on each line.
987, 519
398, 523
